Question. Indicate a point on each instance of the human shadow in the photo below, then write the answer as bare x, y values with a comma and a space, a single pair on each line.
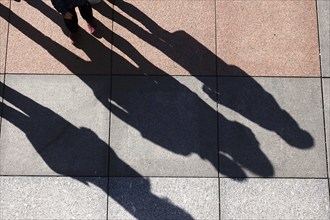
78, 152
179, 121
177, 137
182, 133
238, 148
72, 151
245, 96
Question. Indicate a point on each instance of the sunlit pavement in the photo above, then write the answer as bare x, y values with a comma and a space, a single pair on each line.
204, 109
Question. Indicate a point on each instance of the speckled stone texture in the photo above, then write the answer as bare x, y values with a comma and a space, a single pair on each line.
53, 198
54, 125
4, 16
164, 38
1, 91
271, 127
38, 25
323, 8
326, 98
274, 199
268, 38
163, 198
167, 123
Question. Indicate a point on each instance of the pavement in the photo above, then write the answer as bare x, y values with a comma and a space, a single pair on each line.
199, 109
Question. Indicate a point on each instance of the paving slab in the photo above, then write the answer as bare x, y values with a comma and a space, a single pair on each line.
274, 199
167, 123
1, 90
54, 125
159, 39
164, 198
4, 16
268, 38
53, 198
326, 98
50, 50
271, 127
2, 77
323, 8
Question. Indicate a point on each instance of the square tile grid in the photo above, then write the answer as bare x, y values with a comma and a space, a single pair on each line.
268, 38
265, 129
182, 132
164, 122
53, 198
54, 125
50, 50
158, 39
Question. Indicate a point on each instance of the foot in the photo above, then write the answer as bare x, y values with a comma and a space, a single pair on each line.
91, 27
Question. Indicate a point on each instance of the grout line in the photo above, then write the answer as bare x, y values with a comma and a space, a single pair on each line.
318, 38
5, 70
170, 177
217, 91
110, 98
322, 97
151, 75
7, 40
324, 128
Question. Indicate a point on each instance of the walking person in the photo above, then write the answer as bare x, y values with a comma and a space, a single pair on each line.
67, 10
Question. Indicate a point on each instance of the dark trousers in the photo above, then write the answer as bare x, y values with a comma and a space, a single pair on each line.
85, 11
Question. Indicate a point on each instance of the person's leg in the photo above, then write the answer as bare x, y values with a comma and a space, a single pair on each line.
87, 13
72, 24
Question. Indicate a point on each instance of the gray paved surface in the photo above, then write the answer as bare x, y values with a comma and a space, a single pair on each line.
170, 111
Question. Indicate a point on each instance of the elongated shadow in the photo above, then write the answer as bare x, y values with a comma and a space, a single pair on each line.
244, 152
72, 151
244, 96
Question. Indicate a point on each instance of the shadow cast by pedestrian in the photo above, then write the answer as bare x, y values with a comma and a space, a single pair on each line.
81, 154
72, 151
162, 109
244, 151
245, 96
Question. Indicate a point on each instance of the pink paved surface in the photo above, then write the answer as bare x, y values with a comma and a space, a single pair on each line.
166, 40
269, 38
264, 38
28, 51
3, 37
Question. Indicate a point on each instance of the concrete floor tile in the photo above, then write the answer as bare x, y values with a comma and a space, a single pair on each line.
4, 17
163, 126
326, 98
274, 199
53, 198
323, 8
50, 50
268, 38
55, 125
271, 127
164, 198
158, 39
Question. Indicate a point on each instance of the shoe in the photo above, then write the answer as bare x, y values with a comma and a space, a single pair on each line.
91, 27
73, 37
